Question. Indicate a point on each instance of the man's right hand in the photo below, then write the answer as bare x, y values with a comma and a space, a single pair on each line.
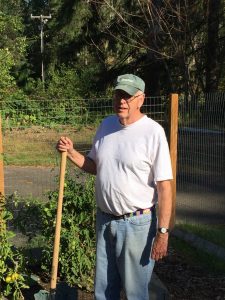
81, 161
65, 144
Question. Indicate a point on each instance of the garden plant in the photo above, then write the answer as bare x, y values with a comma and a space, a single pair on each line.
77, 243
12, 270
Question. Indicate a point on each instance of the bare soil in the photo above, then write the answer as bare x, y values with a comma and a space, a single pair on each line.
189, 282
183, 281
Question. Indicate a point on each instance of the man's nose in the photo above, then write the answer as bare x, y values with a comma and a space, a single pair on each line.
122, 100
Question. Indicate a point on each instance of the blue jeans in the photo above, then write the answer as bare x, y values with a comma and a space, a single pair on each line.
123, 256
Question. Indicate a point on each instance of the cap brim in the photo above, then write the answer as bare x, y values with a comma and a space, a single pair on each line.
127, 88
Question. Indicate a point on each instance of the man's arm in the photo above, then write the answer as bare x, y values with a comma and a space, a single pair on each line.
81, 161
159, 248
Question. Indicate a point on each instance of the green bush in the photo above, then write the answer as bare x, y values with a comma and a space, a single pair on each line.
19, 111
77, 243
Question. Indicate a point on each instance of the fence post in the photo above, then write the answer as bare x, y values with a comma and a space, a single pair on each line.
2, 199
1, 162
173, 130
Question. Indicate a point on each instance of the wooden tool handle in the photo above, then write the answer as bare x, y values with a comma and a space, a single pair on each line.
58, 222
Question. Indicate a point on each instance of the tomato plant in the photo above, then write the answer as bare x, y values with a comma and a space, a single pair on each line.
11, 262
77, 242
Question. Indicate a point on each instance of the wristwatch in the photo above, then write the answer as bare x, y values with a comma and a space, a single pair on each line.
163, 230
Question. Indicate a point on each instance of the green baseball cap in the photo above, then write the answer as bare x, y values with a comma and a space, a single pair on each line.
130, 83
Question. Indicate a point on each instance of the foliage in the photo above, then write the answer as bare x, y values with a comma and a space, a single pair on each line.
12, 280
174, 45
11, 29
66, 105
77, 246
56, 87
6, 79
18, 110
166, 42
12, 50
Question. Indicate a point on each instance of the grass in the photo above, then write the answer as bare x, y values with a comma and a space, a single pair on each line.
196, 257
36, 146
211, 233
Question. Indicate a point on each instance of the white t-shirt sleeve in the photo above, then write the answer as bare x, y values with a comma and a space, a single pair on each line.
162, 169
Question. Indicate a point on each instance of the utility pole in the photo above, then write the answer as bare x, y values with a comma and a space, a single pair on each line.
43, 21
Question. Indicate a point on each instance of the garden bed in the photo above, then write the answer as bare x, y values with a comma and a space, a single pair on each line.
182, 279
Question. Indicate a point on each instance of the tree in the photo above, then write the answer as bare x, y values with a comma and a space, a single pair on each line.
165, 39
169, 43
148, 33
12, 48
213, 45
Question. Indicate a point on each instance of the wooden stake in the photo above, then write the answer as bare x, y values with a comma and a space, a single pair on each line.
58, 227
2, 192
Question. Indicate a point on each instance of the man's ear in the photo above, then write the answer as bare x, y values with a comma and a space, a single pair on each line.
141, 100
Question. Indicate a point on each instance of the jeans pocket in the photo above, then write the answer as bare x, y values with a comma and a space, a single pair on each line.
141, 220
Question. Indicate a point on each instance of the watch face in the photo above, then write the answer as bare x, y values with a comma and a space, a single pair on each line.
163, 230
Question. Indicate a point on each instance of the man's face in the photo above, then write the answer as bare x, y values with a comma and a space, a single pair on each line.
127, 107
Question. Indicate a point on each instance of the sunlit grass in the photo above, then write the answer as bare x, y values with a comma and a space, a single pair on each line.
211, 233
197, 257
36, 146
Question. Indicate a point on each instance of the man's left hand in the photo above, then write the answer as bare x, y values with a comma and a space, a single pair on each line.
159, 247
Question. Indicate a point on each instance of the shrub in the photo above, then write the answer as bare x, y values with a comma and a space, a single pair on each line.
19, 111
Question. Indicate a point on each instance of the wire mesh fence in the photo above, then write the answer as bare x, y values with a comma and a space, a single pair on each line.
201, 159
42, 124
32, 128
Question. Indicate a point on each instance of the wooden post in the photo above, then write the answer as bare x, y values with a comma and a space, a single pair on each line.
1, 162
173, 131
2, 198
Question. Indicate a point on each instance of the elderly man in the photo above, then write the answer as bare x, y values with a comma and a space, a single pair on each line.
131, 160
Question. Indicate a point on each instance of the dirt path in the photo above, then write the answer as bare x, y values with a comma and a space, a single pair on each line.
200, 204
30, 181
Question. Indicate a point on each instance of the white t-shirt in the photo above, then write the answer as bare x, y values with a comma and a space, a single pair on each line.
129, 160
